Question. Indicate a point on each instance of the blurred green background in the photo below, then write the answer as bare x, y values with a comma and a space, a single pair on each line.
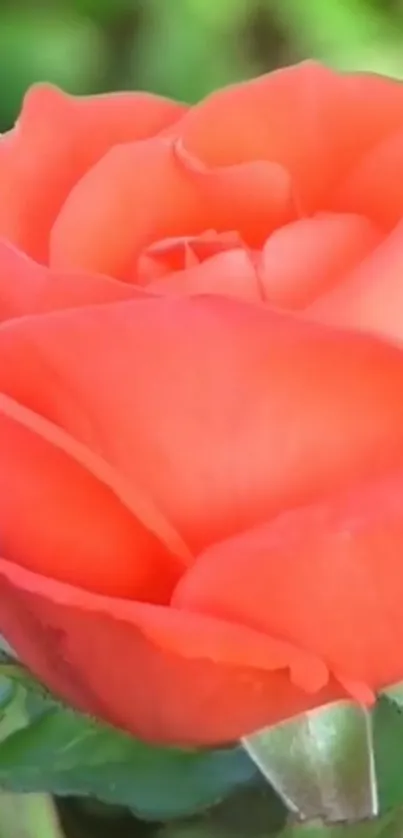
185, 48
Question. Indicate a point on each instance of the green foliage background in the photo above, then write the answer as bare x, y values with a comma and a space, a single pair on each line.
185, 48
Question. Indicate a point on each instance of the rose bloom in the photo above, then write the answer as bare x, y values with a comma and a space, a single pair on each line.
201, 409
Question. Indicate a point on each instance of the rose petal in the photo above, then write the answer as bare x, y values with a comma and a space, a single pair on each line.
140, 193
60, 519
231, 274
313, 121
26, 287
57, 138
223, 413
329, 577
369, 298
177, 254
374, 184
177, 677
307, 257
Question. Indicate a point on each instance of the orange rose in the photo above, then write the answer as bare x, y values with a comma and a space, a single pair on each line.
202, 497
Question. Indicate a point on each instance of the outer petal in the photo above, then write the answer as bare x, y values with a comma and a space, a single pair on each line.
313, 121
56, 139
26, 287
307, 257
140, 193
224, 413
328, 576
177, 677
370, 297
65, 514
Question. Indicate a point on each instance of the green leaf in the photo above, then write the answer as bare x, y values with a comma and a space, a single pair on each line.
254, 812
65, 753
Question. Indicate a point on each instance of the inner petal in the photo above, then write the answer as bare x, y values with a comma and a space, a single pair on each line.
181, 252
143, 192
307, 257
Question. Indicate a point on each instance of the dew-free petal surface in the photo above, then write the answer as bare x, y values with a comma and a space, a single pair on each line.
313, 121
328, 576
370, 297
180, 252
224, 413
307, 257
26, 287
372, 185
231, 274
177, 678
56, 139
62, 515
140, 193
